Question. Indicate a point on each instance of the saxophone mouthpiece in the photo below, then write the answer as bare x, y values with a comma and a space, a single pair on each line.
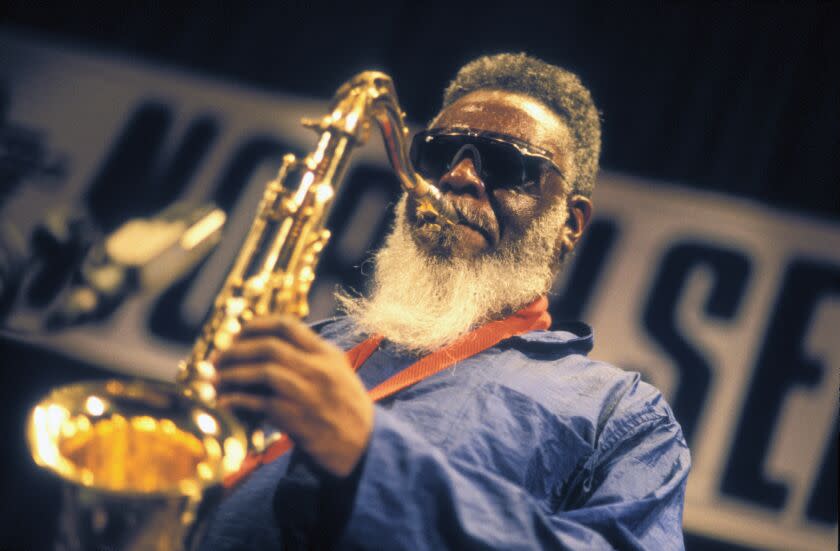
432, 206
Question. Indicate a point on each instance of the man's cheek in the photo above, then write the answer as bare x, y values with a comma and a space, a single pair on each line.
531, 207
512, 220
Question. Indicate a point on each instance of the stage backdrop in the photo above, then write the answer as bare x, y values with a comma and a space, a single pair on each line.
730, 308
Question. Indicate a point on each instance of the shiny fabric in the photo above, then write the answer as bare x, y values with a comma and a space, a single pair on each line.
527, 445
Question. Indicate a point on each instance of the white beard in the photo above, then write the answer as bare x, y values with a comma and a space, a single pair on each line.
421, 302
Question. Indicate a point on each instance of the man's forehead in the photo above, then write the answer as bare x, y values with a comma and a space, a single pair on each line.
516, 115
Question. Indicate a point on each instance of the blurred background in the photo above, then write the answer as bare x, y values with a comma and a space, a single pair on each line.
712, 265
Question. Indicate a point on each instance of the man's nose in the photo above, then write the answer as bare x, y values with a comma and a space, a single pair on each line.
463, 178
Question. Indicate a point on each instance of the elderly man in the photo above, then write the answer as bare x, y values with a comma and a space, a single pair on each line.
467, 423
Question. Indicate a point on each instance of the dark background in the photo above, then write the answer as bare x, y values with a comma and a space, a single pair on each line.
740, 98
737, 97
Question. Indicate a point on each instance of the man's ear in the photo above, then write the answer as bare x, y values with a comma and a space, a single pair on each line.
580, 212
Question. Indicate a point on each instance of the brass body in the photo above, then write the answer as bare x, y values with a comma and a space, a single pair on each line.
142, 461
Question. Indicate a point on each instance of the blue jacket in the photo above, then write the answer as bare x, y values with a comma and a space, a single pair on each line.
527, 445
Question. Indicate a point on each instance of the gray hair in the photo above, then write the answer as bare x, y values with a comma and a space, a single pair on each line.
557, 88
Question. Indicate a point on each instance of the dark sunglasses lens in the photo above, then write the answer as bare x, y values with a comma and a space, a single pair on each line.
501, 165
431, 156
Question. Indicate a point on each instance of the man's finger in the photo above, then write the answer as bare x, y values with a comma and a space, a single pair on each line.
255, 349
248, 402
284, 326
277, 380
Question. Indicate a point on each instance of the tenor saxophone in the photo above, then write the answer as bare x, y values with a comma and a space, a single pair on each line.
141, 462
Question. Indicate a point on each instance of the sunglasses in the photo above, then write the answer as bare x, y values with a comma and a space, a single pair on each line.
502, 162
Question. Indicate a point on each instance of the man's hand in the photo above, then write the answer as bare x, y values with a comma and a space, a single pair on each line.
278, 367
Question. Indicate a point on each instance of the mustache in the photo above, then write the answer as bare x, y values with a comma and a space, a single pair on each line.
476, 219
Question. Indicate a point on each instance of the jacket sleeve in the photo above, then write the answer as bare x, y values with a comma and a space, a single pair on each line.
410, 495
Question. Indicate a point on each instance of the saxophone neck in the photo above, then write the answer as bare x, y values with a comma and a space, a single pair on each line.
395, 135
371, 96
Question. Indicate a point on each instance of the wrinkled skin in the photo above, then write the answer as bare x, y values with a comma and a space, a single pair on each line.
305, 386
302, 384
498, 217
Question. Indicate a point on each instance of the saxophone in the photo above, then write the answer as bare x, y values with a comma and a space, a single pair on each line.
142, 462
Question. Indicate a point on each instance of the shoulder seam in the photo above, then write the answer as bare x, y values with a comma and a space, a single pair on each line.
630, 426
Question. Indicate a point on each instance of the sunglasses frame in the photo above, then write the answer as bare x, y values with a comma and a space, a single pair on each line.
522, 147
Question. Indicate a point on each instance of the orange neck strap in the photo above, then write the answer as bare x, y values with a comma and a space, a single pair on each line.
533, 317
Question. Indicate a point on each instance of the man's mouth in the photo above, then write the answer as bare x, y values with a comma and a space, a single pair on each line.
474, 221
467, 217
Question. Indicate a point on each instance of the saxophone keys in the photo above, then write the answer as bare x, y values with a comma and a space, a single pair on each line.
235, 306
324, 193
288, 206
205, 370
289, 161
222, 340
320, 241
305, 277
275, 188
232, 326
313, 124
206, 392
228, 331
300, 308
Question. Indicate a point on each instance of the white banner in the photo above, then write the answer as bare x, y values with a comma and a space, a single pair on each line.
730, 308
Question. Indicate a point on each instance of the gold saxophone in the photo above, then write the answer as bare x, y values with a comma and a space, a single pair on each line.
141, 461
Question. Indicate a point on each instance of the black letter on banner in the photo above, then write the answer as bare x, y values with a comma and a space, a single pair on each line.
781, 366
363, 179
731, 273
359, 221
239, 170
586, 269
133, 180
822, 506
166, 320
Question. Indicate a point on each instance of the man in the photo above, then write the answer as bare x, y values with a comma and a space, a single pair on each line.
487, 434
